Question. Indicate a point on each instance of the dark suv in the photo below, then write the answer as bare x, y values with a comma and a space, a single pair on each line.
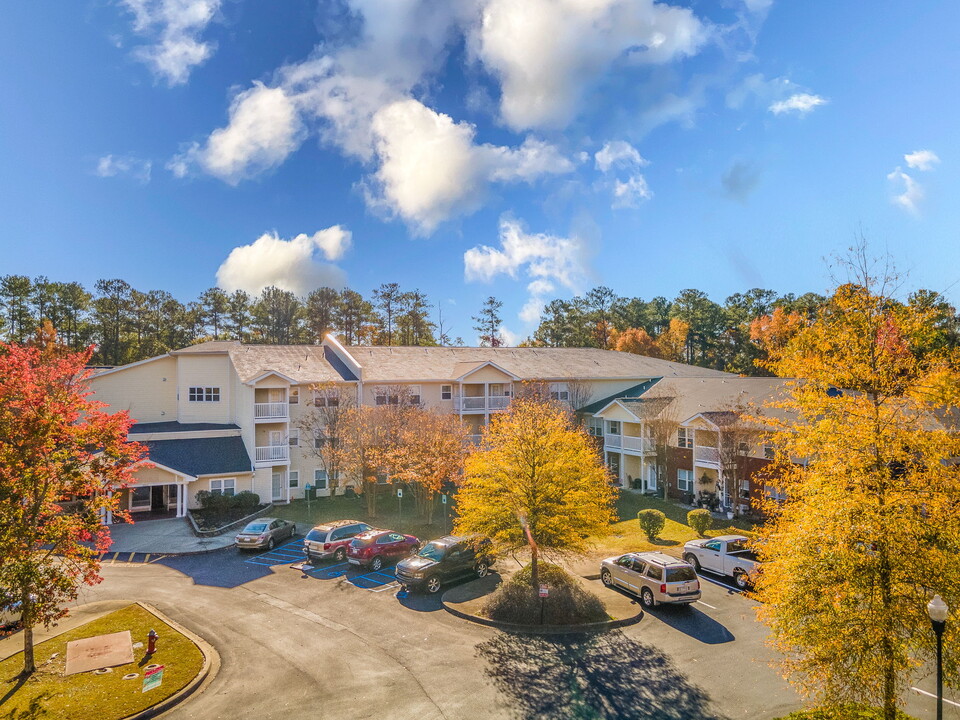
332, 539
440, 561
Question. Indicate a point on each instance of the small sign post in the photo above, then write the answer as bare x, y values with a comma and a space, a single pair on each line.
443, 501
152, 678
544, 594
400, 508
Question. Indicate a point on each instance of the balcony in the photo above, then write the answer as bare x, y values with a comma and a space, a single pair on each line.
273, 454
273, 411
614, 441
637, 444
481, 403
706, 455
474, 439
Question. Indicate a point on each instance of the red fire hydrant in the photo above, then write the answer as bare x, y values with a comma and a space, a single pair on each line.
152, 642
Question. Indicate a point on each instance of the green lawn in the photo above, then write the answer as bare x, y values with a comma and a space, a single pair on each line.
85, 696
626, 535
389, 515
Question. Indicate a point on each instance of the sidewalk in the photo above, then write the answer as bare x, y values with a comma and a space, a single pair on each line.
163, 537
78, 616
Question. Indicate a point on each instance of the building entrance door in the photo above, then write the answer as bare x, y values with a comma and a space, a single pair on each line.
277, 491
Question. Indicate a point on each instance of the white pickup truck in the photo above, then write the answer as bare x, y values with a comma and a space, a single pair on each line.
728, 555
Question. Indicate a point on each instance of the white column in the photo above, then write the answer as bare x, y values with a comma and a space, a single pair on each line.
643, 469
486, 395
108, 517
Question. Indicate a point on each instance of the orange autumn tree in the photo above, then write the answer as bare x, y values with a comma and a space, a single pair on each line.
536, 482
54, 442
870, 529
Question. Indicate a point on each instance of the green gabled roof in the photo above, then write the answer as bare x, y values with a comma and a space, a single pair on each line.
631, 392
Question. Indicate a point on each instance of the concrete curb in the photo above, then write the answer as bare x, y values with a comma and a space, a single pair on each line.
195, 529
542, 629
211, 666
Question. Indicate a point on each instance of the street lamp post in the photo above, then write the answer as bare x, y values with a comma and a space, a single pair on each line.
937, 609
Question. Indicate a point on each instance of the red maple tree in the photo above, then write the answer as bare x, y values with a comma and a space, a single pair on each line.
56, 444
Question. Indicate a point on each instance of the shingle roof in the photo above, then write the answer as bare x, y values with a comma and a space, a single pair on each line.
171, 427
201, 456
632, 392
302, 363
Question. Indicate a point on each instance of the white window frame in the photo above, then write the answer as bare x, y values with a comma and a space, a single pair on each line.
413, 394
293, 478
319, 439
595, 426
203, 394
685, 438
326, 399
320, 476
769, 452
446, 392
133, 496
293, 397
613, 427
684, 480
293, 437
225, 486
559, 391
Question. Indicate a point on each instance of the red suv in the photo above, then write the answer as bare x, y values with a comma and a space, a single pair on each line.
377, 548
332, 539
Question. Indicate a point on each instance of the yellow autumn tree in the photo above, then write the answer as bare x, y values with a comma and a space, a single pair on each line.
672, 342
870, 529
536, 482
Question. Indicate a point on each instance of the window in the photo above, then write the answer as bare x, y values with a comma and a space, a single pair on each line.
712, 545
294, 437
382, 398
768, 452
685, 480
326, 399
382, 479
226, 486
320, 479
613, 427
654, 572
745, 489
595, 426
204, 394
446, 392
558, 391
743, 448
414, 397
294, 396
685, 438
319, 439
140, 498
294, 476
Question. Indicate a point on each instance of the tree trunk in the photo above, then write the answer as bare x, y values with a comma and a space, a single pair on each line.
534, 570
29, 666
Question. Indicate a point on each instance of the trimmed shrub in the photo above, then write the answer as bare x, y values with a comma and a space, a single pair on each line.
515, 601
652, 523
246, 501
700, 520
214, 502
851, 711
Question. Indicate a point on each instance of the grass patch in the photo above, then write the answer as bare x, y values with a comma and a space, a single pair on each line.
389, 516
852, 711
85, 696
515, 601
627, 536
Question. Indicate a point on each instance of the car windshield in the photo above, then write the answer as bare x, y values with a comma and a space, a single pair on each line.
255, 528
432, 551
316, 535
680, 574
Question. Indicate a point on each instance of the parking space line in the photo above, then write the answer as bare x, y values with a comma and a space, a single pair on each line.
158, 557
114, 558
147, 558
391, 586
930, 694
130, 559
701, 602
723, 585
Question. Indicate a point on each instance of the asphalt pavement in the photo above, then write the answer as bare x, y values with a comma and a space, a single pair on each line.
332, 641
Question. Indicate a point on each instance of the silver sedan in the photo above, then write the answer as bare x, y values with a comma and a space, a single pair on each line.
265, 532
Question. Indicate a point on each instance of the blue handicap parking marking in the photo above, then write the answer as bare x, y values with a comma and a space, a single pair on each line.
373, 581
329, 572
289, 553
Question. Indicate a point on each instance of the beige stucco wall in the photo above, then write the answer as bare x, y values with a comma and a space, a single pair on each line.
205, 371
148, 391
488, 374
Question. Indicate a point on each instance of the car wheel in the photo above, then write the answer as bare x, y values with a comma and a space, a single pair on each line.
646, 596
376, 563
432, 585
293, 530
340, 555
270, 544
741, 580
692, 559
606, 578
482, 569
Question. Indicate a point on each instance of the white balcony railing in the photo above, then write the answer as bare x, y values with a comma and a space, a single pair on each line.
474, 439
493, 402
271, 411
612, 440
706, 454
638, 444
273, 453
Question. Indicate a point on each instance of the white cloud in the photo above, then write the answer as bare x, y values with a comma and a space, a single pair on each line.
618, 153
430, 168
922, 159
631, 193
114, 165
509, 338
264, 129
800, 103
548, 53
546, 260
911, 192
175, 27
288, 264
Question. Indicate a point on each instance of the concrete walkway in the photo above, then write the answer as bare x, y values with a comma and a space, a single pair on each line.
164, 537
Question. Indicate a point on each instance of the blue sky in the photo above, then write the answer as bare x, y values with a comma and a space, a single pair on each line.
472, 147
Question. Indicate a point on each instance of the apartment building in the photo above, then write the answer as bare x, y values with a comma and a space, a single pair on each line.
223, 416
713, 446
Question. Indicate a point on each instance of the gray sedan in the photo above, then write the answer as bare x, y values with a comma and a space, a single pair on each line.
265, 533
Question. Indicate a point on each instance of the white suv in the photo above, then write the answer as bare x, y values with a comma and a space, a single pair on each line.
653, 576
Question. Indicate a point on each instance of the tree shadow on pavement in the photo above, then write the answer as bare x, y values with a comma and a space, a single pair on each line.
690, 621
600, 677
